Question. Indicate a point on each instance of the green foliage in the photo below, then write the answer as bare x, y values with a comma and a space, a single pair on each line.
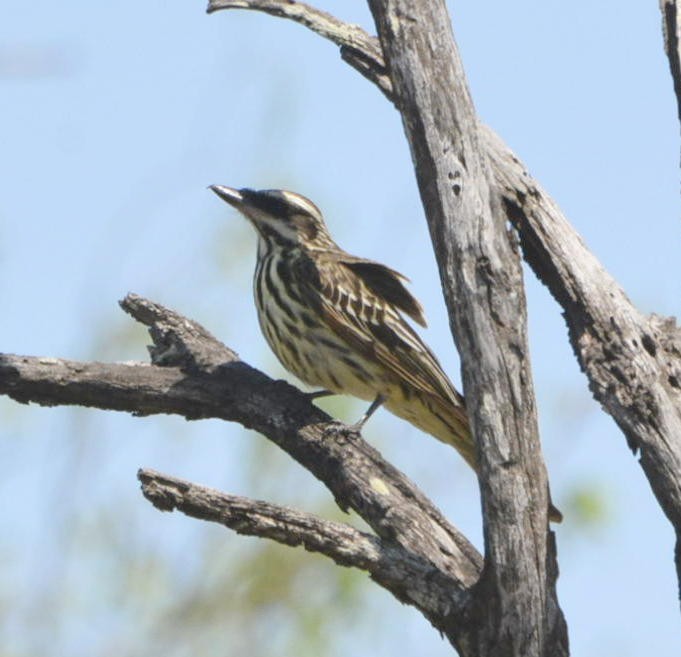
588, 505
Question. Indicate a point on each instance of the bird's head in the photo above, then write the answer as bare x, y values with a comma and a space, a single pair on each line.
283, 219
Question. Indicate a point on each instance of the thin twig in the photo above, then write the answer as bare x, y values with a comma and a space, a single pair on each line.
359, 49
321, 22
671, 32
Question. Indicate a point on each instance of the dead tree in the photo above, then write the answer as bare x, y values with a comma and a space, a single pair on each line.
471, 186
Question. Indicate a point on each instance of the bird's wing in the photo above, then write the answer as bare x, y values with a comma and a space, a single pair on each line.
372, 326
387, 284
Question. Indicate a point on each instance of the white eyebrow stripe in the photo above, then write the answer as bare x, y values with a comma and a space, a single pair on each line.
303, 203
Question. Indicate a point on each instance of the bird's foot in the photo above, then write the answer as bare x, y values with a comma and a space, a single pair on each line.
357, 426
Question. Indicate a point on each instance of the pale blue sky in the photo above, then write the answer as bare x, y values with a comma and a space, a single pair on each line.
115, 118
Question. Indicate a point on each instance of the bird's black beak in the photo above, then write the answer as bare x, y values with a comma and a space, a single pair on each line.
232, 196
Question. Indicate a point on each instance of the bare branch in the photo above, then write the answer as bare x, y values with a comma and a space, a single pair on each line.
134, 387
196, 377
633, 362
341, 33
397, 570
639, 388
357, 48
671, 32
371, 67
342, 543
482, 279
178, 341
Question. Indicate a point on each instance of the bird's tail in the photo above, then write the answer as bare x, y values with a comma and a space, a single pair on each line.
448, 423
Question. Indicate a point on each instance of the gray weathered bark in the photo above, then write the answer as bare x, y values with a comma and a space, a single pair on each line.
671, 32
516, 610
632, 362
470, 184
416, 555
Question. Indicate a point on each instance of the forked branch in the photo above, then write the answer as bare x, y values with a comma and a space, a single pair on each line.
195, 376
632, 362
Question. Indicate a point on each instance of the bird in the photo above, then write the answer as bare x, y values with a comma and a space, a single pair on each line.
337, 321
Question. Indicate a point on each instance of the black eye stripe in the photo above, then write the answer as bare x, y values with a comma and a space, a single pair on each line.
267, 203
273, 203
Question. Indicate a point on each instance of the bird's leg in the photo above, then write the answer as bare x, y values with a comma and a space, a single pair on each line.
319, 393
380, 398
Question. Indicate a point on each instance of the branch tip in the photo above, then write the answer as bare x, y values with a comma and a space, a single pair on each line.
164, 498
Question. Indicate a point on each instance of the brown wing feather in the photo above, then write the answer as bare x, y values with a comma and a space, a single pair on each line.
361, 322
387, 284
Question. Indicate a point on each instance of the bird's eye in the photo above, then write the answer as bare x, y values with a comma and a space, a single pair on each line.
271, 205
306, 225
